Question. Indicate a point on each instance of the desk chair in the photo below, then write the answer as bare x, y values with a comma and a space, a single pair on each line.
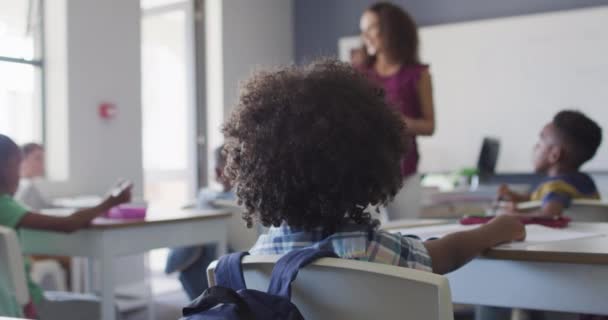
581, 210
11, 266
49, 275
332, 288
56, 305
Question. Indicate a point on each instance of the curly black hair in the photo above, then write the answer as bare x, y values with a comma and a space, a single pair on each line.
582, 135
313, 146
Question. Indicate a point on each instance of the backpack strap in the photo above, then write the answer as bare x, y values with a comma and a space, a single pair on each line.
286, 269
229, 272
215, 296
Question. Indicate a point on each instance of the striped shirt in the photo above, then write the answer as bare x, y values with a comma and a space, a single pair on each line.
349, 242
564, 188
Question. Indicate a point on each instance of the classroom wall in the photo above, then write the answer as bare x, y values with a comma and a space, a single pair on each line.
319, 23
243, 35
92, 55
256, 34
93, 51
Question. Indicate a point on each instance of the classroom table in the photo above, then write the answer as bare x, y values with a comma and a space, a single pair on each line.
107, 239
564, 276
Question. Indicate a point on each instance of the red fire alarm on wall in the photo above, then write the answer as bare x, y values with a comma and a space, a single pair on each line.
107, 110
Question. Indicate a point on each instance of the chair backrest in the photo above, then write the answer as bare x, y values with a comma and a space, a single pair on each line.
581, 210
11, 265
333, 288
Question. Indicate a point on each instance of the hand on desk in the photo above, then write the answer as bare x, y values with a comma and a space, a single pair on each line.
79, 219
453, 250
506, 194
508, 227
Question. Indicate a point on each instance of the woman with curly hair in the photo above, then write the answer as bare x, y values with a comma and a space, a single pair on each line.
308, 149
390, 38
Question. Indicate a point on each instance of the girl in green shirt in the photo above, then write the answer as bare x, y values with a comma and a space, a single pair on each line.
15, 216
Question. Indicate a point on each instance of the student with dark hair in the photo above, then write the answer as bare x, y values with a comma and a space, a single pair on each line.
310, 148
32, 169
192, 262
390, 37
564, 145
13, 215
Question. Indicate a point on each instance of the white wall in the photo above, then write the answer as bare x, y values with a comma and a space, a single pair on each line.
257, 34
507, 78
92, 55
243, 35
93, 50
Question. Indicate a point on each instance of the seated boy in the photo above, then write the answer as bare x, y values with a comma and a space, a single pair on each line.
191, 262
564, 145
14, 216
32, 169
309, 149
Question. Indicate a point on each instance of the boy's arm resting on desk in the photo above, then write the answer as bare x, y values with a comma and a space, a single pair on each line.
455, 250
78, 220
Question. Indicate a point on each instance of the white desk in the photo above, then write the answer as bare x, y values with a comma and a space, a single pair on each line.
564, 276
108, 239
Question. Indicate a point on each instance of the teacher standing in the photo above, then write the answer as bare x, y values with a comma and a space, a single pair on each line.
390, 37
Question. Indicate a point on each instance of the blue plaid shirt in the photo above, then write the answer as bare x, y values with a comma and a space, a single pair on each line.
350, 242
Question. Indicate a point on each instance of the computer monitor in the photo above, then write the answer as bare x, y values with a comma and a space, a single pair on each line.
488, 157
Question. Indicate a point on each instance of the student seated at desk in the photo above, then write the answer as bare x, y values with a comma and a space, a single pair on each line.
13, 215
310, 148
564, 145
192, 262
32, 169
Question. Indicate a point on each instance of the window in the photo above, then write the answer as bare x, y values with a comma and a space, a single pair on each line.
21, 112
168, 99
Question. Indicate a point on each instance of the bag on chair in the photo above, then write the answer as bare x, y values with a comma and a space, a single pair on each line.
230, 299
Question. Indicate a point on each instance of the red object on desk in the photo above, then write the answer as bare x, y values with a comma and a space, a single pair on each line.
560, 222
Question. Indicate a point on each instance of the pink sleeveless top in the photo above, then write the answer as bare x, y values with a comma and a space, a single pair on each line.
401, 92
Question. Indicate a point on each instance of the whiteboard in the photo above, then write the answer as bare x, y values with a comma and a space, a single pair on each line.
507, 77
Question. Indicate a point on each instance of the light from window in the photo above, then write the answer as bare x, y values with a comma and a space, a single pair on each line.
20, 71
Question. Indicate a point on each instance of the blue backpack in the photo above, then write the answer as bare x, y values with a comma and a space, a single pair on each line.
230, 299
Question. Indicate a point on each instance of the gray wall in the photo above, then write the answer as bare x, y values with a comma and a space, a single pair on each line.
319, 23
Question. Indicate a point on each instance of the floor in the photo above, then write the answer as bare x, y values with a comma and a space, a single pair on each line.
169, 299
167, 306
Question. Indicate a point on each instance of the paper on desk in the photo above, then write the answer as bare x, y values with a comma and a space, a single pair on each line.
534, 233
